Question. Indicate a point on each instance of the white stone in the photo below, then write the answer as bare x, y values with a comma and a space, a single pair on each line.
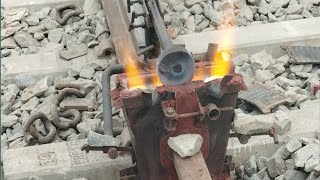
9, 121
240, 59
246, 13
31, 104
282, 127
312, 163
186, 144
55, 35
24, 80
92, 7
190, 3
25, 40
251, 124
261, 59
263, 75
87, 72
36, 89
196, 9
292, 146
50, 24
302, 155
32, 20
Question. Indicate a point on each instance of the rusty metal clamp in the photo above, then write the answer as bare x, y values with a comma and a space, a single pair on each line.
31, 135
67, 90
171, 116
111, 150
73, 11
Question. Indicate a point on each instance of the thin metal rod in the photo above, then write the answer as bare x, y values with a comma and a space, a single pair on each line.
159, 25
107, 107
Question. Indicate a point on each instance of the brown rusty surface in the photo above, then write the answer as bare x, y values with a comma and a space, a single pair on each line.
145, 121
303, 54
81, 104
186, 102
191, 168
263, 97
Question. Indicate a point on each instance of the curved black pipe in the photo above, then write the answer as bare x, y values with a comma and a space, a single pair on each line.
107, 107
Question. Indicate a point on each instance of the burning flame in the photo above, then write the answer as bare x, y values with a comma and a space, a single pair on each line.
134, 78
222, 61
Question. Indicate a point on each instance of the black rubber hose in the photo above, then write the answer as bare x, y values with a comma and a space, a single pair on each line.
107, 107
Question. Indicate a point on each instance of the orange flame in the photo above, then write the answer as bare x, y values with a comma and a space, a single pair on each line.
222, 61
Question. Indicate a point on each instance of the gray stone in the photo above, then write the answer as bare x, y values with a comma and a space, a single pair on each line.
17, 128
315, 11
5, 52
312, 176
296, 68
101, 27
74, 70
167, 19
280, 12
9, 121
50, 24
38, 36
285, 82
196, 9
186, 144
65, 133
276, 166
261, 162
85, 37
36, 89
190, 3
240, 59
24, 80
24, 39
246, 13
272, 18
226, 4
32, 50
277, 69
8, 43
294, 9
240, 21
292, 146
261, 59
32, 20
87, 72
55, 35
251, 124
263, 75
15, 136
312, 163
31, 104
98, 140
10, 94
43, 13
289, 164
125, 137
74, 137
294, 175
301, 156
92, 7
74, 53
89, 125
281, 115
44, 42
34, 29
240, 171
204, 24
212, 15
250, 167
293, 17
282, 127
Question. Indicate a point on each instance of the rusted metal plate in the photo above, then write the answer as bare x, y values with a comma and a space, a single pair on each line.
81, 104
303, 54
199, 168
263, 97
